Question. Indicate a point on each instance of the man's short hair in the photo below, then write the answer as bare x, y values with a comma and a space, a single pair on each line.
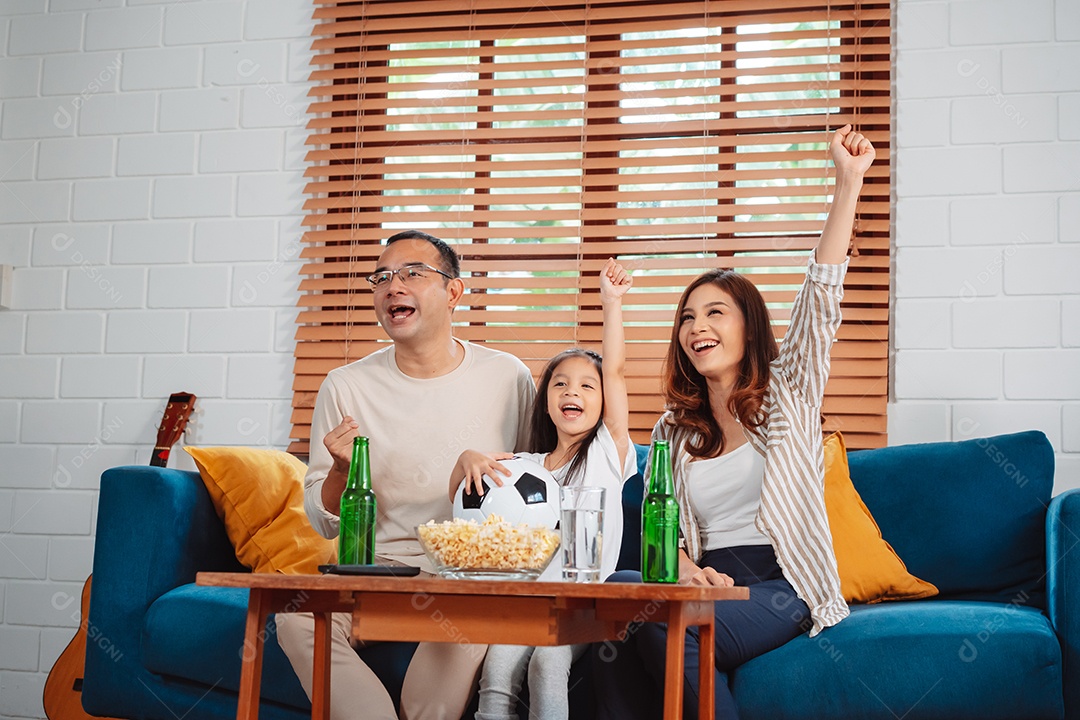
451, 261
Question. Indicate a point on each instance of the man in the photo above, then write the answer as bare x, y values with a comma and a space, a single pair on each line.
421, 401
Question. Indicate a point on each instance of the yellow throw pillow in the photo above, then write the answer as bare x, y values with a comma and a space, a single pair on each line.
870, 570
259, 495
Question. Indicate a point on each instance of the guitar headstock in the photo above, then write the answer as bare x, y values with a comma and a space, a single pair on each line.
173, 422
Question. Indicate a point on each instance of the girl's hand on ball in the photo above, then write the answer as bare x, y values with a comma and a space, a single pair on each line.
476, 465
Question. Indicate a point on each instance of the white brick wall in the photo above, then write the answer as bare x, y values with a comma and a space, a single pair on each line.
29, 377
203, 375
231, 331
921, 222
206, 109
1069, 218
22, 468
997, 22
240, 150
244, 64
105, 288
198, 196
1070, 428
151, 155
180, 287
76, 332
987, 307
100, 376
20, 76
1008, 220
1007, 323
1042, 167
1070, 322
151, 243
949, 171
75, 158
9, 422
234, 240
1046, 67
70, 244
17, 159
20, 648
35, 201
123, 29
111, 200
42, 34
146, 331
207, 22
73, 73
922, 325
38, 289
36, 118
961, 374
115, 115
997, 119
165, 154
160, 68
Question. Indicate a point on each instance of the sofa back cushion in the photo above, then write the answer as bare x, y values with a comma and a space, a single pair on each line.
967, 516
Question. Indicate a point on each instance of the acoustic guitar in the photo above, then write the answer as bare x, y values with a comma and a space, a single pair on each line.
63, 688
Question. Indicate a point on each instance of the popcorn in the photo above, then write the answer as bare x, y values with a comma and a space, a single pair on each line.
494, 545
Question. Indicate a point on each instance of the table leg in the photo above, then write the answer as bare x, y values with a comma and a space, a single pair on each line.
320, 680
247, 704
673, 675
707, 668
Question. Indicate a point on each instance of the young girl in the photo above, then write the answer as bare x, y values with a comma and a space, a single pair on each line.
579, 431
744, 422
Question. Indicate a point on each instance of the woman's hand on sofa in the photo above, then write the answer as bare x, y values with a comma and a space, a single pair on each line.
691, 574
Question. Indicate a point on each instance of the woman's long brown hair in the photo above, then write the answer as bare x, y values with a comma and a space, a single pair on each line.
686, 392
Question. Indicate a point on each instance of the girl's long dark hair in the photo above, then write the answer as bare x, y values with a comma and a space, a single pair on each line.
543, 435
686, 392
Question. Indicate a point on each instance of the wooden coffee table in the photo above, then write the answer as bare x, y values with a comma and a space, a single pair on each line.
440, 610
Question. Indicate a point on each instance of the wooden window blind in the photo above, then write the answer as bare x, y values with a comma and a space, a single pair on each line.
541, 138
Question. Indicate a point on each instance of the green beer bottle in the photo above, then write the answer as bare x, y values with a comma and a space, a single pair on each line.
660, 521
356, 537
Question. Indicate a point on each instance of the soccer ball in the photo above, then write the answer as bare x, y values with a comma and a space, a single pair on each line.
529, 496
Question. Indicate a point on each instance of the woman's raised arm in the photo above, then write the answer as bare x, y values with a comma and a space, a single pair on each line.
852, 154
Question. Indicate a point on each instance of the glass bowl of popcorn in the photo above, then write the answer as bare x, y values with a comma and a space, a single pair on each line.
492, 550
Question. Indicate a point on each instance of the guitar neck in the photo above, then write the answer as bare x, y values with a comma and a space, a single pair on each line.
173, 422
160, 457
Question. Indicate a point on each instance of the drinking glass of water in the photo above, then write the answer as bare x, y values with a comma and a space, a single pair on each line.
582, 535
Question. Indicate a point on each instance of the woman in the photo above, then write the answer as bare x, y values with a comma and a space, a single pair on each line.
744, 423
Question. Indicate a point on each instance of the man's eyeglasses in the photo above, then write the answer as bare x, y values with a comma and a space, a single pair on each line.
408, 274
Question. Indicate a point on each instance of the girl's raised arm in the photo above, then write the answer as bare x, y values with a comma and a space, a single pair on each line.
852, 154
614, 282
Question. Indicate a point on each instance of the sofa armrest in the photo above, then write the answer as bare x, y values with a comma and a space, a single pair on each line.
156, 528
1063, 589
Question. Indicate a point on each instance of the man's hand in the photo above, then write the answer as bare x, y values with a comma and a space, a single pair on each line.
339, 442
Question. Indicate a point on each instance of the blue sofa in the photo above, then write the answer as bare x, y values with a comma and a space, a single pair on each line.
975, 518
